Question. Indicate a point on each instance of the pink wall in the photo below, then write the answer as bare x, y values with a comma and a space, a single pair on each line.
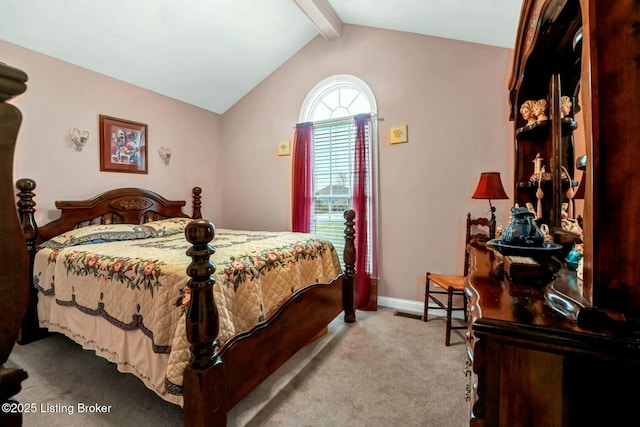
61, 96
453, 97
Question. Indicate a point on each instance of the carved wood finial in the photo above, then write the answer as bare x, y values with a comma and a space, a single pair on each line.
26, 211
197, 203
349, 257
12, 82
202, 314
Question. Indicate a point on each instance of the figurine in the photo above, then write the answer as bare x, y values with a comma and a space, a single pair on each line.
522, 231
547, 235
565, 106
537, 164
526, 109
573, 257
540, 110
530, 208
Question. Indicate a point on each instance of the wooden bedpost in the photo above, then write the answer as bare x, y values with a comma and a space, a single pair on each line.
349, 257
204, 383
196, 203
14, 262
26, 210
31, 330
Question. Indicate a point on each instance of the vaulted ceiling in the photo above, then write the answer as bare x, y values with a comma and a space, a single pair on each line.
210, 53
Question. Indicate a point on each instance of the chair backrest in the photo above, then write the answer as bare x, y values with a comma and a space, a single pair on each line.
477, 229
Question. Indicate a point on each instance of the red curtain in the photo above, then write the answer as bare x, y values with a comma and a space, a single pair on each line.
302, 178
365, 239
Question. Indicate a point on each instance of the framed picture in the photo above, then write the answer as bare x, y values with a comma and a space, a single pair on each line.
123, 145
398, 134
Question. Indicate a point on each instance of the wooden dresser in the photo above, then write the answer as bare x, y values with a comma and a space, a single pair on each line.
559, 354
533, 366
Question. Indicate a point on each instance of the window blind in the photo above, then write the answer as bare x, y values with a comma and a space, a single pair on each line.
333, 165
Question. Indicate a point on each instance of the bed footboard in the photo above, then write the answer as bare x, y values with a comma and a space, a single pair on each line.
218, 378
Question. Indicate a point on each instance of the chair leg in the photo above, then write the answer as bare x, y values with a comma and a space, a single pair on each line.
449, 306
464, 304
426, 298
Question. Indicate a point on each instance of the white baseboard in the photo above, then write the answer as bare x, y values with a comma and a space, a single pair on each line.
413, 307
404, 305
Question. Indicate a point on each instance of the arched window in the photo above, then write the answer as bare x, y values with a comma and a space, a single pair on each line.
343, 114
338, 97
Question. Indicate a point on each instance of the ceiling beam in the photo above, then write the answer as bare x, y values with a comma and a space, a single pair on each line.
323, 17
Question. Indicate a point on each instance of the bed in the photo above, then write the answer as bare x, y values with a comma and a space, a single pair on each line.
202, 320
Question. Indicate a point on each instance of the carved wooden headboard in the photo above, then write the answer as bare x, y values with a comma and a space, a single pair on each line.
119, 206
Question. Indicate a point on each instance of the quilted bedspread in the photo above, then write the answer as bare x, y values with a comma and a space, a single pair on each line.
133, 277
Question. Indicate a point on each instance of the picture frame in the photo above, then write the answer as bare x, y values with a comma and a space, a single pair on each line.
284, 148
398, 134
123, 145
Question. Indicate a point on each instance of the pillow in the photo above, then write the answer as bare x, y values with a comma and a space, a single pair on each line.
97, 234
167, 227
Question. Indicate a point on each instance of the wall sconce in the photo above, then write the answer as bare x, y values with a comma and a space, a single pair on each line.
79, 138
165, 154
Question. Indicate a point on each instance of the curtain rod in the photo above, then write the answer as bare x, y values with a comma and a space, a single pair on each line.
341, 121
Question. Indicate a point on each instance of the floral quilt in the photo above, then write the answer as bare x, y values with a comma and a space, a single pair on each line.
134, 277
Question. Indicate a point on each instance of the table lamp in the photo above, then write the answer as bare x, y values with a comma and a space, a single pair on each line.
490, 187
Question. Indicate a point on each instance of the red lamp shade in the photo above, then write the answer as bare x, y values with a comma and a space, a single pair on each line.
490, 187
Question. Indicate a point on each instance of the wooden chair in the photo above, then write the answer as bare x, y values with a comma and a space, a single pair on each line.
453, 285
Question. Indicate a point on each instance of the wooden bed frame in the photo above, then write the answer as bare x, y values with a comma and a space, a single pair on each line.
14, 262
119, 206
217, 378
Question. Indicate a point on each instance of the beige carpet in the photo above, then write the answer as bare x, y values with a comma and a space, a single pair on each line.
383, 370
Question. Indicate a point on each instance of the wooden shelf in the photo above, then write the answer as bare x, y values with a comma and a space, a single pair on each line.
536, 128
545, 183
541, 129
